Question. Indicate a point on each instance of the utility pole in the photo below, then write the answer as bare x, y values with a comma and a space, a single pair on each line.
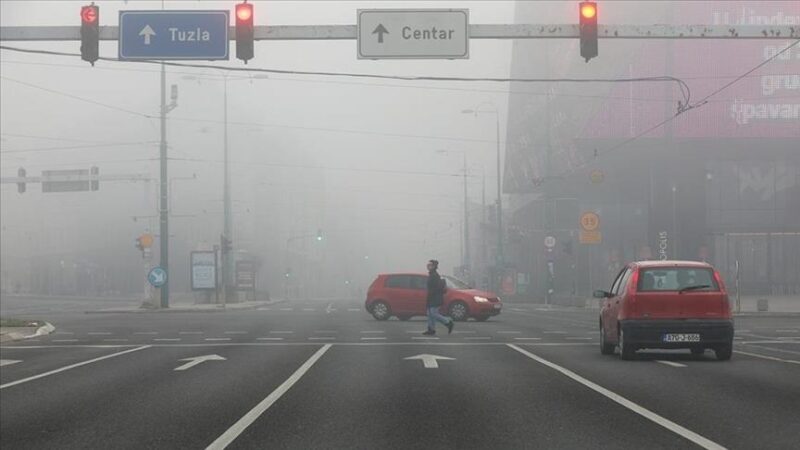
164, 207
227, 227
467, 259
500, 254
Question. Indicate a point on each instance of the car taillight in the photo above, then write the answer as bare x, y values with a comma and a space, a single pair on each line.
721, 285
634, 283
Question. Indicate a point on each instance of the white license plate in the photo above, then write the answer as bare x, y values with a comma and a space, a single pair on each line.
682, 337
497, 306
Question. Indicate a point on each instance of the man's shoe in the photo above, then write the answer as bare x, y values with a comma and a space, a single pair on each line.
450, 326
429, 333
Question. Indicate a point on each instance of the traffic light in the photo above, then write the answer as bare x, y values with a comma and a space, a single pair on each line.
244, 31
21, 184
95, 183
90, 33
588, 29
226, 244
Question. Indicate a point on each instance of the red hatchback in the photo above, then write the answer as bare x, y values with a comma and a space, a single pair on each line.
403, 295
666, 304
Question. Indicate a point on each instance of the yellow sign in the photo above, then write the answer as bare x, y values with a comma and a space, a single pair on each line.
590, 237
146, 240
590, 221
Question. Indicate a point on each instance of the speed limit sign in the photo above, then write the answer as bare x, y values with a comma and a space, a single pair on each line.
549, 242
590, 221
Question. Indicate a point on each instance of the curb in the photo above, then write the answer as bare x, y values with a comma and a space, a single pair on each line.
218, 309
43, 330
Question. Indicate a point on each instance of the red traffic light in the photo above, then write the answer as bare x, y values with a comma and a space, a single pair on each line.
588, 10
244, 12
89, 14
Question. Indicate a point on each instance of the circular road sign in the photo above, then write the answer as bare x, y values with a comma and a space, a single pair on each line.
549, 242
590, 221
157, 276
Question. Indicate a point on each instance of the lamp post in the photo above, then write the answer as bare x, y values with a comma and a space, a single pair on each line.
466, 259
479, 109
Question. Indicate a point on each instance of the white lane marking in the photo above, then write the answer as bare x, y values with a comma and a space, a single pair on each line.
527, 339
742, 331
281, 332
670, 363
263, 309
190, 332
779, 350
737, 338
579, 338
325, 338
555, 332
166, 340
236, 429
509, 332
8, 362
329, 309
236, 332
768, 341
424, 338
771, 358
354, 309
269, 339
373, 338
644, 412
465, 332
787, 331
517, 309
65, 340
99, 333
373, 332
115, 340
218, 339
72, 366
63, 332
195, 360
148, 333
429, 361
477, 338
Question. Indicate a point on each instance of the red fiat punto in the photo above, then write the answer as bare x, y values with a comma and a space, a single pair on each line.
403, 295
666, 304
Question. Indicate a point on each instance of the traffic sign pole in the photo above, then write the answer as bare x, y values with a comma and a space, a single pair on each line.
163, 210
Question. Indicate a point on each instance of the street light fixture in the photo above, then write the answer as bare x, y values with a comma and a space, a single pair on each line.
466, 261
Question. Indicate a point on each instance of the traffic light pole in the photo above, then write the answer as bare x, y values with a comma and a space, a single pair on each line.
163, 209
227, 225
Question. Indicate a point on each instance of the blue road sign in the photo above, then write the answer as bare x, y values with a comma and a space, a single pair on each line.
157, 276
183, 35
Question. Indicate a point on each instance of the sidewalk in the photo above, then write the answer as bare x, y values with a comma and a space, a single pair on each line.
179, 307
8, 334
776, 304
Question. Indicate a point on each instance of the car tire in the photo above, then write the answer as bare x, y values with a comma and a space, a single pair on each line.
458, 311
724, 353
605, 347
381, 311
482, 318
404, 318
626, 350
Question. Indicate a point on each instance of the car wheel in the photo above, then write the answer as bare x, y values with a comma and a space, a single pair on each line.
381, 311
626, 350
458, 311
725, 352
605, 347
482, 318
404, 318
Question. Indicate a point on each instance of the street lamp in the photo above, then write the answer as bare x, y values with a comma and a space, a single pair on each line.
466, 261
478, 109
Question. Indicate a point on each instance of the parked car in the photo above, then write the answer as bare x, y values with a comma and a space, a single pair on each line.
666, 304
403, 295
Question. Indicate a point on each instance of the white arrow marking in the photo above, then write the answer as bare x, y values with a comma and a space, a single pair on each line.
430, 361
8, 362
147, 32
197, 360
329, 309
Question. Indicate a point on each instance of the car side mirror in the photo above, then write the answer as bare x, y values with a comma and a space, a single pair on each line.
601, 294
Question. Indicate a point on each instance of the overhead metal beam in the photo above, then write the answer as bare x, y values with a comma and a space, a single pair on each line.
500, 31
64, 178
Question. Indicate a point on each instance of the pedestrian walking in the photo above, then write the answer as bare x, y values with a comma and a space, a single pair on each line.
435, 299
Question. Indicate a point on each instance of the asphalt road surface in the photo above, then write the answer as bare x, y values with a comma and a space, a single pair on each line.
307, 375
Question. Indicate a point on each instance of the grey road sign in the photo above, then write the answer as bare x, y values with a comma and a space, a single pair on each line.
73, 180
413, 33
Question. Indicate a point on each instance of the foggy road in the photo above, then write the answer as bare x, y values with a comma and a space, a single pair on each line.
332, 376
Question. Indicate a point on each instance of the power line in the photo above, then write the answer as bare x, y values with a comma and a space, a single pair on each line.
78, 147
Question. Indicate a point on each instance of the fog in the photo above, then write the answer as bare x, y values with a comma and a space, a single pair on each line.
335, 179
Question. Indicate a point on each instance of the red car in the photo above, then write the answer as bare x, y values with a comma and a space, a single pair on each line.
666, 304
403, 295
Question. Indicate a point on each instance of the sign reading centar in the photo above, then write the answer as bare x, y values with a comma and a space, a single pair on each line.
413, 33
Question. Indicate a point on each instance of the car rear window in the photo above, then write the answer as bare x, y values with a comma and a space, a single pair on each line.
676, 278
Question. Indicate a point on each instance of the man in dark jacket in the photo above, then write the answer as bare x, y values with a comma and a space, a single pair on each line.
435, 299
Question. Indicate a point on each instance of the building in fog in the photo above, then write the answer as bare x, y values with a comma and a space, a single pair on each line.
719, 183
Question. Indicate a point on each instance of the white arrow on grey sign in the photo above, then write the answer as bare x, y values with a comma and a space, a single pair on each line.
193, 361
8, 362
430, 361
147, 32
413, 33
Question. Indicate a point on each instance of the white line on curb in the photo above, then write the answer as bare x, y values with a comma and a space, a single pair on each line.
234, 431
644, 412
72, 366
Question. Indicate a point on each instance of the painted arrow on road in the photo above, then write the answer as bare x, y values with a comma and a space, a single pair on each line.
195, 360
430, 361
8, 362
147, 32
380, 30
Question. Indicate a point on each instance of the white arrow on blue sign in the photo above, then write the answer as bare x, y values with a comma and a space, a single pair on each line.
182, 35
157, 276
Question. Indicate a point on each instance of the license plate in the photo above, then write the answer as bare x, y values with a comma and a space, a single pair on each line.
497, 306
682, 337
